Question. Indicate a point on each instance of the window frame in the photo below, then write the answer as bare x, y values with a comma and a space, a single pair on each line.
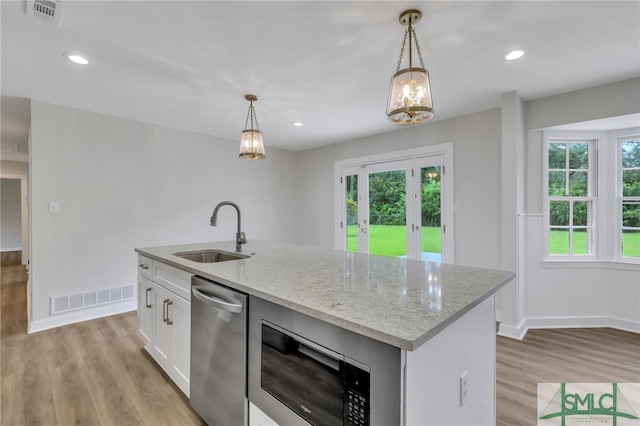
621, 137
606, 164
591, 197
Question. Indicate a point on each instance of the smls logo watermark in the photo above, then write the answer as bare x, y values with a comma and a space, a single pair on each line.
616, 404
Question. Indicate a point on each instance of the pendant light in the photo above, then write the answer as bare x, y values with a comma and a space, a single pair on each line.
251, 145
410, 92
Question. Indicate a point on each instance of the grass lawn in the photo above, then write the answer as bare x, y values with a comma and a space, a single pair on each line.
559, 243
391, 240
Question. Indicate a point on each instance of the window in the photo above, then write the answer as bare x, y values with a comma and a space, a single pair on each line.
570, 198
630, 199
592, 195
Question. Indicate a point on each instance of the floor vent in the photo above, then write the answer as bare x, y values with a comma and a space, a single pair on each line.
46, 10
72, 302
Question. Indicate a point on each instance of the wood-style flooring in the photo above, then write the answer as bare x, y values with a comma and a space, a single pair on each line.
96, 372
90, 373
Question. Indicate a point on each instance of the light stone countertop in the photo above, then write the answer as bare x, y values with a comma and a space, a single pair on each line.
397, 301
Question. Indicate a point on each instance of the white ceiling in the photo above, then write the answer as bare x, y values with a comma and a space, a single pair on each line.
327, 64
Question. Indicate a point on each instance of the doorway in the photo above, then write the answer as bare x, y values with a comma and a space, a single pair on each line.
15, 216
398, 204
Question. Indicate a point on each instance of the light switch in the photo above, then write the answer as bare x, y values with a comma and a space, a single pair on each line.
54, 207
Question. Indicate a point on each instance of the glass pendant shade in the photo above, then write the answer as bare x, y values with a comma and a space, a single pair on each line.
251, 145
410, 96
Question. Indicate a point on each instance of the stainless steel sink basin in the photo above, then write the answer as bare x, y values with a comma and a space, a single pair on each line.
210, 256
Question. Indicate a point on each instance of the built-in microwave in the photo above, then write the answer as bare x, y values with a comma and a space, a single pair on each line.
303, 370
318, 384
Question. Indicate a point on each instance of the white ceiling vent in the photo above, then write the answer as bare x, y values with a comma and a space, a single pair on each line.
46, 10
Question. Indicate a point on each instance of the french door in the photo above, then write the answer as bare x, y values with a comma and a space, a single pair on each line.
394, 208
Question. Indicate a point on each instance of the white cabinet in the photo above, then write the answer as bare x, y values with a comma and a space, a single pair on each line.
164, 312
145, 307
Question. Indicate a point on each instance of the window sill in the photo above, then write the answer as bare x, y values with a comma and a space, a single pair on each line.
590, 264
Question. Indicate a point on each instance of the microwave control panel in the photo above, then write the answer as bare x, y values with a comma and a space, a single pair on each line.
356, 397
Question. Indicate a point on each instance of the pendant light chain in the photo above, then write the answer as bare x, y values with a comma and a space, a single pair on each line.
251, 113
404, 42
254, 117
411, 31
415, 39
246, 121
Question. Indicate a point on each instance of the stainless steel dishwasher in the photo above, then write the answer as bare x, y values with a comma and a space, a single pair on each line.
218, 353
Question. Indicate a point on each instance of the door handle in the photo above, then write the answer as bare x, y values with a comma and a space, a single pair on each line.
165, 311
169, 303
209, 299
146, 297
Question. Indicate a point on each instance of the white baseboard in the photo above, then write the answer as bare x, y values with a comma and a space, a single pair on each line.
5, 249
512, 332
83, 315
567, 322
583, 322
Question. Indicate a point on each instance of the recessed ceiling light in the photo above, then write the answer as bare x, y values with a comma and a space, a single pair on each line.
74, 57
513, 54
297, 124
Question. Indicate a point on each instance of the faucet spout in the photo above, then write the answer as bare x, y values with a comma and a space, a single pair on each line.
240, 237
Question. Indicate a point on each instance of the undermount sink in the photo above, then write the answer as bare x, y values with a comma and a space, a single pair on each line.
210, 256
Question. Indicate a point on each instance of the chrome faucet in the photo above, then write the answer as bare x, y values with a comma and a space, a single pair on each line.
240, 238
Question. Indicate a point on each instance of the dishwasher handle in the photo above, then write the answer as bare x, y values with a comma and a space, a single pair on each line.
200, 294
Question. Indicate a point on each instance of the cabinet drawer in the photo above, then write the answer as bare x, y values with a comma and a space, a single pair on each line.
144, 266
173, 279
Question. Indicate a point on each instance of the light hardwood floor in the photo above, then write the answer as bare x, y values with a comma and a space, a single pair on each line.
590, 355
96, 372
90, 373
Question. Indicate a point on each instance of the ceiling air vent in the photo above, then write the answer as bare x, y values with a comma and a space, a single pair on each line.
46, 10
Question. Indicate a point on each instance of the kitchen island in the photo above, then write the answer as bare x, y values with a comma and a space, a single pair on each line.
439, 317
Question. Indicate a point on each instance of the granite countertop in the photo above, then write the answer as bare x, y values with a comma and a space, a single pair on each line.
397, 301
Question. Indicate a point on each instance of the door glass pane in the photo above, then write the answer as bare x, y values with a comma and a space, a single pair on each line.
351, 189
430, 211
388, 213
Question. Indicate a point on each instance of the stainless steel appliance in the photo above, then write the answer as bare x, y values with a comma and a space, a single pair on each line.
218, 390
306, 371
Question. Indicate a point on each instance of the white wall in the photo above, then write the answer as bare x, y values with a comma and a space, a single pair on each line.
10, 215
569, 295
476, 139
123, 184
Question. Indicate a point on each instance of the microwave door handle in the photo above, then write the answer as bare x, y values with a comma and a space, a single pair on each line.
308, 343
235, 308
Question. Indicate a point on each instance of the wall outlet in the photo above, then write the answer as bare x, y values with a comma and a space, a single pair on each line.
464, 388
54, 207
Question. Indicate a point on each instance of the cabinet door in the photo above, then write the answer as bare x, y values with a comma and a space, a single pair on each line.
180, 314
146, 318
163, 336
